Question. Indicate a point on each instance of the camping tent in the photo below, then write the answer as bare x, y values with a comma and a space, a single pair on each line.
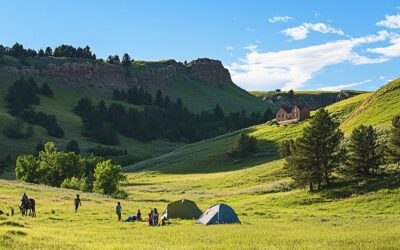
183, 209
218, 214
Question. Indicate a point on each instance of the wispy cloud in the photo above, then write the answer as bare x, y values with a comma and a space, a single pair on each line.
301, 32
393, 50
344, 86
229, 48
250, 30
291, 69
251, 47
279, 19
391, 21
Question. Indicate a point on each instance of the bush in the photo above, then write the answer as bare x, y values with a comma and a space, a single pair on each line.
18, 129
107, 151
74, 183
244, 145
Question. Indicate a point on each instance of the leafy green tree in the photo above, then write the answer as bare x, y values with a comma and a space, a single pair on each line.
393, 147
27, 168
317, 154
108, 178
126, 60
291, 93
363, 156
73, 147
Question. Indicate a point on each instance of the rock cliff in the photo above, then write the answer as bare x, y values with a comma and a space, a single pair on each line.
110, 76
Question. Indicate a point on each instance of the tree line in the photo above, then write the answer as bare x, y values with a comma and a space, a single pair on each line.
321, 151
160, 118
68, 51
68, 169
20, 98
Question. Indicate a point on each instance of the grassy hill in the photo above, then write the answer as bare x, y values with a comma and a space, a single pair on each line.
273, 214
197, 96
375, 109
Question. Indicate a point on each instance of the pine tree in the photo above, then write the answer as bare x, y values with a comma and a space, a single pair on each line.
218, 112
363, 151
316, 154
393, 147
126, 59
46, 90
72, 146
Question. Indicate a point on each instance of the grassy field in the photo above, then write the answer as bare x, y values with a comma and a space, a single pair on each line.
364, 214
375, 109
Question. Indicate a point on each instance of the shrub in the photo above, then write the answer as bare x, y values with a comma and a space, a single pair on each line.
18, 129
244, 145
74, 183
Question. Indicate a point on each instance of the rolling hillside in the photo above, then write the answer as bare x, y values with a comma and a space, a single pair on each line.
375, 109
73, 79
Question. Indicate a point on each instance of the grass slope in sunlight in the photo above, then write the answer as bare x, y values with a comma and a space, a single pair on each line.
273, 215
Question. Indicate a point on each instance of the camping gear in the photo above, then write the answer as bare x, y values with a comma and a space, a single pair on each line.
182, 209
218, 214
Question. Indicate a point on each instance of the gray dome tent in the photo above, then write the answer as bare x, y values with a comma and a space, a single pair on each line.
183, 209
218, 214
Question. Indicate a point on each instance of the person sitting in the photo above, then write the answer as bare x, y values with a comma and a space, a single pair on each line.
150, 219
139, 215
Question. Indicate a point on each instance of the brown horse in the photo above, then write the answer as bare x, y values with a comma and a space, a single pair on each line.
29, 208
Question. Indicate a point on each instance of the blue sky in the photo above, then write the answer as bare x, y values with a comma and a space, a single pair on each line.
266, 45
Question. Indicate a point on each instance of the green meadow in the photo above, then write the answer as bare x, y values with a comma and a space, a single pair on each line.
361, 215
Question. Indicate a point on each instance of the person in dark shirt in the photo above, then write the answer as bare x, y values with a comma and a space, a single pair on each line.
77, 203
139, 216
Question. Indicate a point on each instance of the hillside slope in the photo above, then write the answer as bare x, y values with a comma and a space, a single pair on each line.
375, 109
311, 99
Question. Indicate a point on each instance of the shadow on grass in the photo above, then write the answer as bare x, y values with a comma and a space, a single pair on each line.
347, 188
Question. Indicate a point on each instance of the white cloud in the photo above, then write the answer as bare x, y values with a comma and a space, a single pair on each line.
392, 50
301, 32
250, 30
381, 78
391, 21
291, 69
282, 19
343, 86
229, 48
251, 47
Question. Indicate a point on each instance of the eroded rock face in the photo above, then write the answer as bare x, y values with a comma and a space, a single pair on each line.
210, 71
109, 76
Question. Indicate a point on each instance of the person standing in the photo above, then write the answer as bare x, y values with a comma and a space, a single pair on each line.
24, 201
139, 216
155, 217
118, 210
77, 203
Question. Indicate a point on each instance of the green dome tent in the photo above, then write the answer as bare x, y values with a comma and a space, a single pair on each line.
218, 214
183, 209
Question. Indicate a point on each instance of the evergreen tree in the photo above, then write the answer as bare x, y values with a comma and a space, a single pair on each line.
316, 154
46, 90
159, 99
126, 60
286, 148
73, 147
244, 145
218, 112
393, 147
48, 52
363, 155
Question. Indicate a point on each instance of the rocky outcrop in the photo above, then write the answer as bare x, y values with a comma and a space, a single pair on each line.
209, 71
110, 76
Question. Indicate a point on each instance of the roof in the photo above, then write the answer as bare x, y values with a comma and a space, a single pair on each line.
289, 109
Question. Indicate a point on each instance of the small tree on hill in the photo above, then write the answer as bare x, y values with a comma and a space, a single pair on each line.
126, 60
316, 154
72, 146
218, 112
363, 151
46, 90
244, 145
393, 147
286, 148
